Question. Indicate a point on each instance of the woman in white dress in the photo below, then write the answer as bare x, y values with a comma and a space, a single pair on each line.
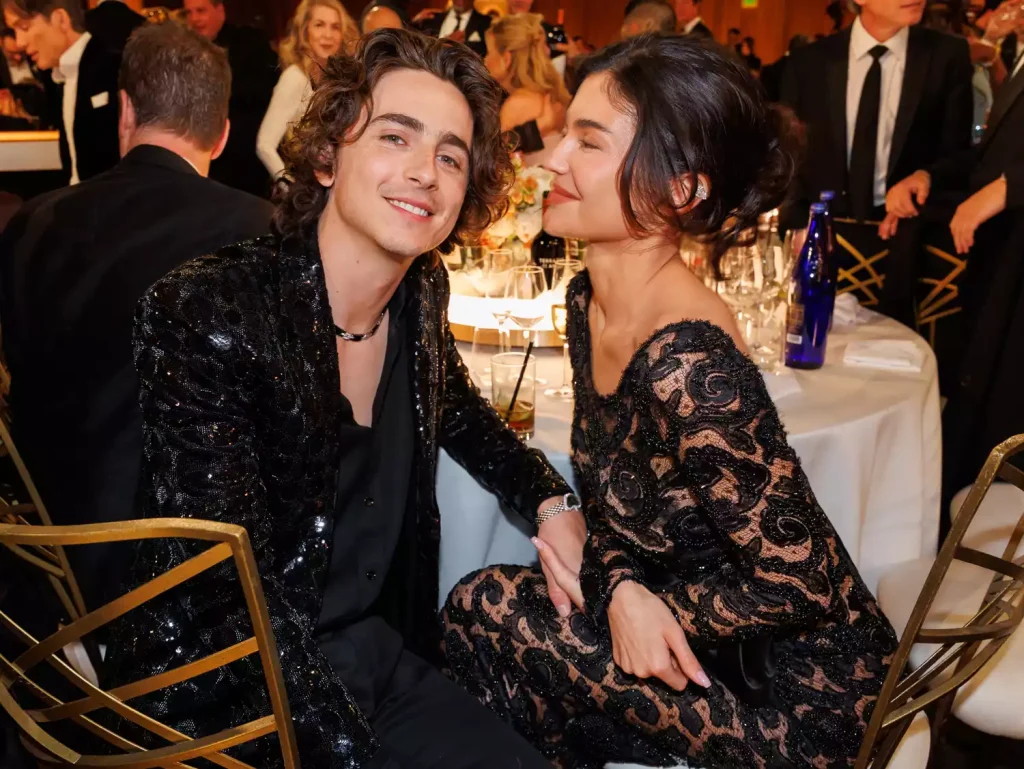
519, 59
319, 30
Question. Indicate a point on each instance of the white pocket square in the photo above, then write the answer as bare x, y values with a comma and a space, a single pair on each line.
101, 100
475, 37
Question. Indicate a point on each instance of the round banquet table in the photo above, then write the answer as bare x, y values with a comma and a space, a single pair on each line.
869, 440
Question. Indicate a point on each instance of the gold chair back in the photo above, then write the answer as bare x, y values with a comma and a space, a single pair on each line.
959, 652
33, 707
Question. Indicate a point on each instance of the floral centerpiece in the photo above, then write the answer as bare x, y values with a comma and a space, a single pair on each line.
524, 219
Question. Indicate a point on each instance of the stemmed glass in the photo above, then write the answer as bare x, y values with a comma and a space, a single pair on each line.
525, 298
487, 271
741, 284
562, 273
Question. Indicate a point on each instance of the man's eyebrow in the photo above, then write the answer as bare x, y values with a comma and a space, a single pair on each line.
403, 120
414, 124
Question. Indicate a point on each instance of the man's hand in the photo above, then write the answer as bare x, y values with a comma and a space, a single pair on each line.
424, 15
561, 576
647, 641
564, 537
901, 198
459, 36
975, 211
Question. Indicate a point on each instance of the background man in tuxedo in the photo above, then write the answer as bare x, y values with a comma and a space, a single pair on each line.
462, 22
83, 52
984, 405
253, 77
690, 22
879, 100
77, 260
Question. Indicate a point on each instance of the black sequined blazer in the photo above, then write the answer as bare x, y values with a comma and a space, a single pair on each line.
237, 359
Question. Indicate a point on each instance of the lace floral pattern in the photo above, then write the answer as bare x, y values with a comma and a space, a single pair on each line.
691, 489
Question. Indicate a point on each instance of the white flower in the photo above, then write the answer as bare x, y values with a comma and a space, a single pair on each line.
503, 229
529, 224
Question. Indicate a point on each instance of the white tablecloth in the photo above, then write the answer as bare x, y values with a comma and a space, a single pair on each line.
869, 440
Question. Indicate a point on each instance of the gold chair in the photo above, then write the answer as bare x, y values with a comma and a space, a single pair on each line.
956, 651
37, 546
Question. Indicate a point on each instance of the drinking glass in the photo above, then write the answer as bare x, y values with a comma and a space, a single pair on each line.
562, 273
505, 370
740, 285
559, 319
576, 249
525, 298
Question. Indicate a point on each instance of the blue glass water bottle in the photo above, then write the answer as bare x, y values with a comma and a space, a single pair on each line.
826, 197
811, 297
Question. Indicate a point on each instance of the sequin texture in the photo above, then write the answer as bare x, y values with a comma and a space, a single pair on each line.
241, 398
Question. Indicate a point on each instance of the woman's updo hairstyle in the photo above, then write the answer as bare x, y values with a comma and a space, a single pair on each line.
697, 111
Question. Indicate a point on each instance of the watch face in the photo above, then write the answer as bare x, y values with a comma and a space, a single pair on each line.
571, 500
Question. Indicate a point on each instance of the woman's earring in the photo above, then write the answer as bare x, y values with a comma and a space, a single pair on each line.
702, 191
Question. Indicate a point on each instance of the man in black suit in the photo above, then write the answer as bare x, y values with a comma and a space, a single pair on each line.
74, 263
253, 77
879, 100
462, 22
690, 22
771, 75
984, 405
83, 52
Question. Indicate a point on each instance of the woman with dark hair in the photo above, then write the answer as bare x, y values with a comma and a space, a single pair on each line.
717, 617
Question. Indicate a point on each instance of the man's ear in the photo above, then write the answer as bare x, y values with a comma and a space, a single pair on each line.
60, 19
688, 191
126, 120
222, 142
329, 160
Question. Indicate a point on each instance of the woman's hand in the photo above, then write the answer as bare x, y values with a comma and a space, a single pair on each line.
565, 535
555, 569
647, 641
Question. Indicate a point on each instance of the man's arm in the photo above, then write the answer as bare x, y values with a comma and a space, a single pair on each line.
476, 437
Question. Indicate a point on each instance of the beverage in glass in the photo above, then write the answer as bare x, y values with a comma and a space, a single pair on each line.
505, 371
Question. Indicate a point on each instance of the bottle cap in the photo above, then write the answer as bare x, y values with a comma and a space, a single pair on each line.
818, 208
826, 196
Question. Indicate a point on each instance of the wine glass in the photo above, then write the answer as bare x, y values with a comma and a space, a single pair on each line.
740, 284
562, 273
525, 298
560, 319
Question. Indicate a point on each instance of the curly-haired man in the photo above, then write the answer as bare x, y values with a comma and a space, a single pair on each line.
301, 385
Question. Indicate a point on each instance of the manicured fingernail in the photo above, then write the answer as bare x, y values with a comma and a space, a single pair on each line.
563, 611
537, 543
702, 679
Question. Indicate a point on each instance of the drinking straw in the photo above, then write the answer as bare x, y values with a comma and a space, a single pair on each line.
519, 382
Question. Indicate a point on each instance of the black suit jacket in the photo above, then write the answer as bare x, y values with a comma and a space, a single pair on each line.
73, 265
933, 120
96, 112
253, 77
702, 30
238, 364
478, 24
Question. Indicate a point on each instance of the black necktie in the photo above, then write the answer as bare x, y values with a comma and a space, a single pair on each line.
865, 140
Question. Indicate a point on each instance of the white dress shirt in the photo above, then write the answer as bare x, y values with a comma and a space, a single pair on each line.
691, 25
287, 105
66, 73
455, 20
21, 74
893, 63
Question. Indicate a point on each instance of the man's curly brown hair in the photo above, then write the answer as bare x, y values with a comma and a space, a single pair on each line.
341, 107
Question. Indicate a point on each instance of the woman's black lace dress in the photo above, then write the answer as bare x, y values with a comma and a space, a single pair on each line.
691, 489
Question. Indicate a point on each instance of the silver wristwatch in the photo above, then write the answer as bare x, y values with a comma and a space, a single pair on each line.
569, 502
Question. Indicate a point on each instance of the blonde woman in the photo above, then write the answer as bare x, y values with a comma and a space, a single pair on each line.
518, 58
319, 30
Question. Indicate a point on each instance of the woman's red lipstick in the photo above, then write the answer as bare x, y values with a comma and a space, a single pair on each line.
560, 195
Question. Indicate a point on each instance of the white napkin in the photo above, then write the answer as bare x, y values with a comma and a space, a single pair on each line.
848, 311
892, 354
